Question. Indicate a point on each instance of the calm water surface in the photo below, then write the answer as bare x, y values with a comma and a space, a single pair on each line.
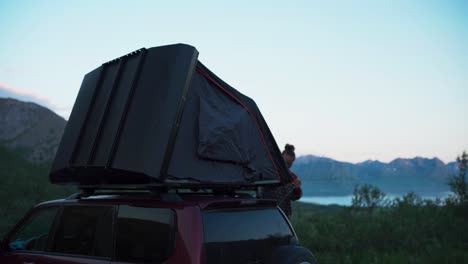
346, 200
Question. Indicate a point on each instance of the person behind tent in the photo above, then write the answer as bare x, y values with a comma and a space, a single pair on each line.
284, 194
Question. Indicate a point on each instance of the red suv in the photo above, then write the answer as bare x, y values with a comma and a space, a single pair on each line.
154, 227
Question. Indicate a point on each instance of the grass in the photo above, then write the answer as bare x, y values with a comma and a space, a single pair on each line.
401, 234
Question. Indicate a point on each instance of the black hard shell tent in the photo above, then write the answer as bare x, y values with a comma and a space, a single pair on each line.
159, 117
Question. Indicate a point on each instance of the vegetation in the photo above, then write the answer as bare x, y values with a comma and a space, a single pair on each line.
22, 185
378, 230
405, 233
458, 182
367, 196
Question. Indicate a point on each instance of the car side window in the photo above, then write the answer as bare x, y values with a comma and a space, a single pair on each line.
144, 234
34, 234
84, 230
254, 232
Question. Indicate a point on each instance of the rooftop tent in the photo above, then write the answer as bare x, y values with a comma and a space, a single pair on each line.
158, 116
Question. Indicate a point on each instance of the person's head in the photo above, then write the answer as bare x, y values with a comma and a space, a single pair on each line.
288, 155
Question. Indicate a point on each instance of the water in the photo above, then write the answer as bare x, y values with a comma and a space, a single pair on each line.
327, 200
346, 199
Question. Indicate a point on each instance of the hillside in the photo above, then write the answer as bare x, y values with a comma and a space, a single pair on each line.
30, 129
22, 185
29, 137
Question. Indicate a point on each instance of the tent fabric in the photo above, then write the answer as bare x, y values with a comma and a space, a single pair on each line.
228, 147
164, 118
220, 132
268, 140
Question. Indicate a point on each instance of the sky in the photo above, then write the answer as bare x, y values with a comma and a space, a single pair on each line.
349, 80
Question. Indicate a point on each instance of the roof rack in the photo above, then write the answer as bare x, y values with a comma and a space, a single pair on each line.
164, 192
164, 196
90, 190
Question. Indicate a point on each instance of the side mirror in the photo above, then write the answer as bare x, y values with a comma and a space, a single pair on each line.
294, 241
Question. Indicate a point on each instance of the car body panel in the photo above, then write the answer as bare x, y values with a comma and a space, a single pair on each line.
189, 230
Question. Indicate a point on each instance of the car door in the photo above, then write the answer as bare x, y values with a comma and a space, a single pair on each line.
256, 232
144, 235
73, 233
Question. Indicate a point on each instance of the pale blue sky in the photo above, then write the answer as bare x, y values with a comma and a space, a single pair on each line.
351, 80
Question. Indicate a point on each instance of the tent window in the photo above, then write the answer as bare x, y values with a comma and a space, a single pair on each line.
222, 132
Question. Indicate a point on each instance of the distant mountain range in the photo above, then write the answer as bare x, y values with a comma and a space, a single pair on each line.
325, 176
34, 133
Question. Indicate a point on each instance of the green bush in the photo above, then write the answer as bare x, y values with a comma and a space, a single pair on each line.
23, 185
376, 230
367, 196
404, 233
458, 182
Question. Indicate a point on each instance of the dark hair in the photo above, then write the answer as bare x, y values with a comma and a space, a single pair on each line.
289, 150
